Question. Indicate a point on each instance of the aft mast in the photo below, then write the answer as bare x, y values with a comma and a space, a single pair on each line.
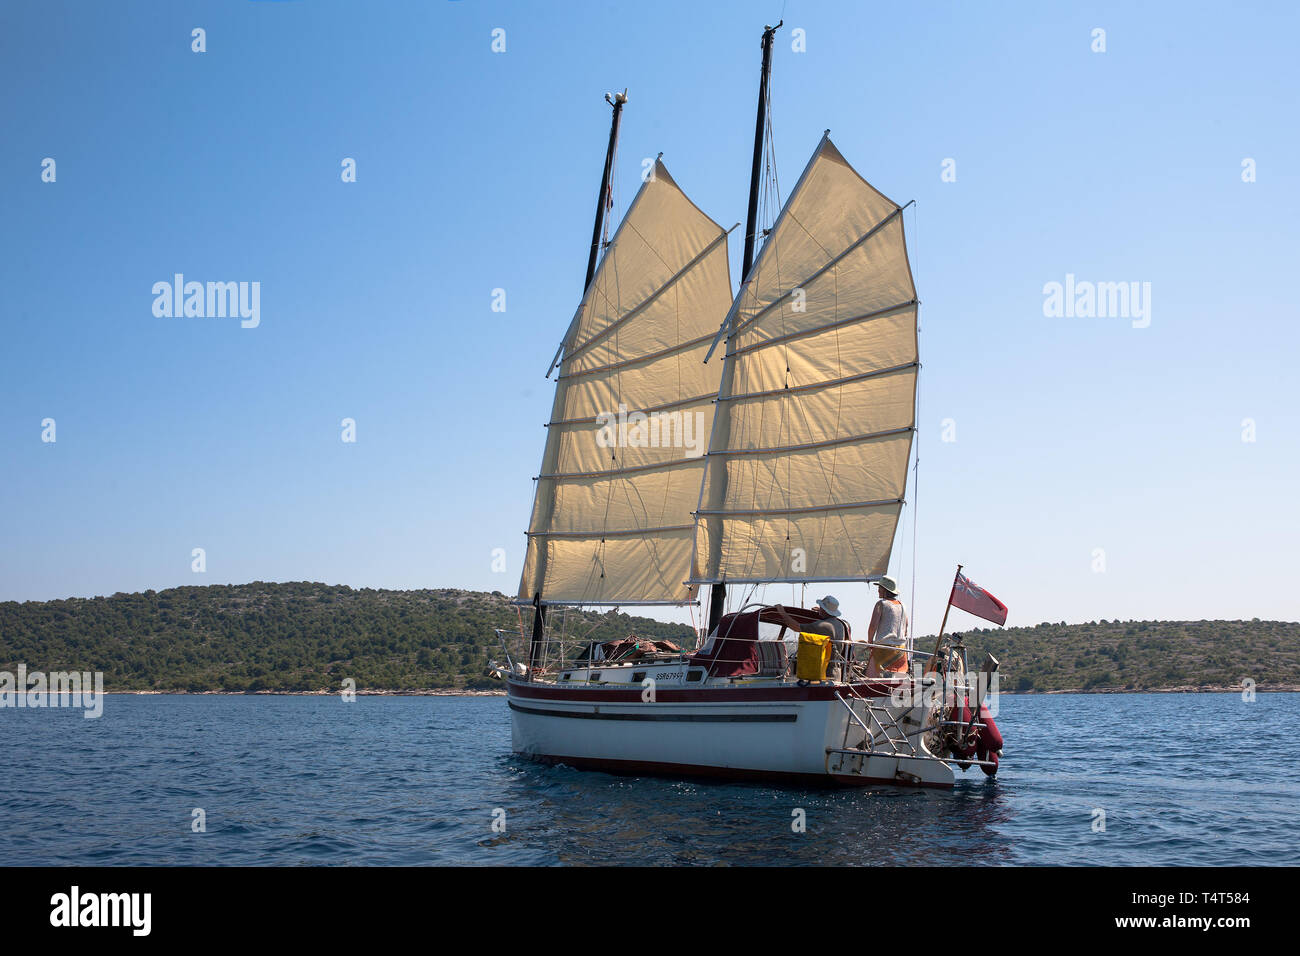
718, 594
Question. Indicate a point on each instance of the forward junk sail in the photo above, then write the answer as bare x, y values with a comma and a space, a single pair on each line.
808, 463
632, 415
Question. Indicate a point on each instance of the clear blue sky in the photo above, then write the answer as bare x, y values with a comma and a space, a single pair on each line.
478, 170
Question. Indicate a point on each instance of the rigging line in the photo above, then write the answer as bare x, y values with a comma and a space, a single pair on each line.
811, 238
631, 490
834, 261
670, 284
916, 499
596, 569
769, 144
639, 505
916, 466
774, 179
666, 264
829, 478
613, 185
839, 411
789, 462
773, 490
736, 488
771, 206
773, 479
632, 494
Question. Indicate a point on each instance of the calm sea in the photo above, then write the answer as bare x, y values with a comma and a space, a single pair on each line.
1182, 780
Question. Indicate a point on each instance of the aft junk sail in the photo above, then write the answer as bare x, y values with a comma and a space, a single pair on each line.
813, 431
632, 415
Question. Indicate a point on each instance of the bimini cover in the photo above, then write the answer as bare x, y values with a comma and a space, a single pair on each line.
732, 650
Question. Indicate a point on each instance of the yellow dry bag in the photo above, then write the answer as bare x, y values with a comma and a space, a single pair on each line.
814, 656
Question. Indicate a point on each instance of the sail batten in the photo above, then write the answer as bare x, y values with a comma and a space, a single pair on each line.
815, 416
633, 313
671, 350
851, 505
610, 534
866, 236
839, 324
812, 446
693, 400
813, 386
630, 424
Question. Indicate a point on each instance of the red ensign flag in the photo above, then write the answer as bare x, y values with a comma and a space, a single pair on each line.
973, 599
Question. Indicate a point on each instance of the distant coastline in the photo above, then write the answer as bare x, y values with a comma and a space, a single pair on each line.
311, 639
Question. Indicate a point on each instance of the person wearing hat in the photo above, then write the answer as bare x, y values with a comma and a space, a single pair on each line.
830, 625
833, 627
887, 632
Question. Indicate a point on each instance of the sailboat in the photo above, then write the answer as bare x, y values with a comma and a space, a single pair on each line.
702, 442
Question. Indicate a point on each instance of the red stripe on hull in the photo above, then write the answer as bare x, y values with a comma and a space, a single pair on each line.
654, 769
737, 695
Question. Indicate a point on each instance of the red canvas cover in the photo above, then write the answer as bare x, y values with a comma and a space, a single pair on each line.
735, 649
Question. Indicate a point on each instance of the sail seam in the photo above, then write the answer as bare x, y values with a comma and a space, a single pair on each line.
636, 310
811, 509
817, 444
858, 578
819, 273
829, 326
681, 347
608, 534
847, 380
613, 473
707, 397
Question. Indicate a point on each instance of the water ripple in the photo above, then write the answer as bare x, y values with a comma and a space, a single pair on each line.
1181, 780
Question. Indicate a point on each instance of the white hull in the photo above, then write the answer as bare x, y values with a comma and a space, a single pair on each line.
778, 732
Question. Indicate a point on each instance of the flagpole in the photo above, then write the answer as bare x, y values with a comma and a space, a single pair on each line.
939, 640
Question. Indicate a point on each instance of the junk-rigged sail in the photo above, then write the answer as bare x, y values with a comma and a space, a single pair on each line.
808, 463
612, 519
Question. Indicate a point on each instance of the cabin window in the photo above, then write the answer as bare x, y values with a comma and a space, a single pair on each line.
695, 675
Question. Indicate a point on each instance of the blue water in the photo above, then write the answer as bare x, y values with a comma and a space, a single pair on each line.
1200, 779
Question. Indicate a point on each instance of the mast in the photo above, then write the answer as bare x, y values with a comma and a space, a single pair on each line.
602, 203
760, 122
718, 595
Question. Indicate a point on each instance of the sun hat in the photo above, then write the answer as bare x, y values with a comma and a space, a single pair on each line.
889, 584
830, 606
